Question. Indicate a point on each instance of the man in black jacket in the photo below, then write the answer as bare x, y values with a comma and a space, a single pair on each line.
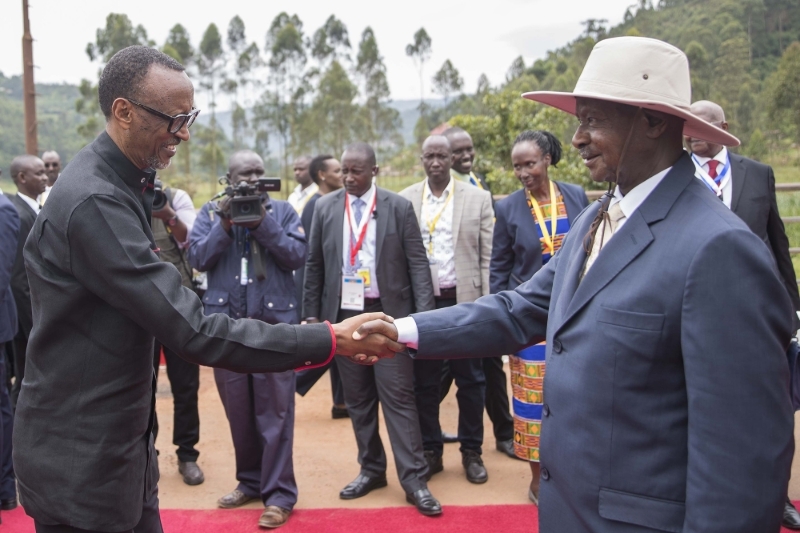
83, 447
747, 187
28, 173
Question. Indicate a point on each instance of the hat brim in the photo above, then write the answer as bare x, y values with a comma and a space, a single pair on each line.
694, 126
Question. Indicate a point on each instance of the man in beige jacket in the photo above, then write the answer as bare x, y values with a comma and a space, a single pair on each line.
456, 221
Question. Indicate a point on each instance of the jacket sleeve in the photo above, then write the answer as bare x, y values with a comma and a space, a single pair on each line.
502, 262
9, 239
491, 326
734, 334
133, 280
487, 227
208, 240
776, 233
19, 281
315, 268
419, 270
282, 238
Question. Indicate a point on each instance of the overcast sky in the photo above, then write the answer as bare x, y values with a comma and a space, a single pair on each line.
478, 37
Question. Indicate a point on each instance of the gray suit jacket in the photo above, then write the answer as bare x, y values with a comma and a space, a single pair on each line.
404, 277
667, 390
473, 224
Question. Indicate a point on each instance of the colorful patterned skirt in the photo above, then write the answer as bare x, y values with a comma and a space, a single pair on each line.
527, 377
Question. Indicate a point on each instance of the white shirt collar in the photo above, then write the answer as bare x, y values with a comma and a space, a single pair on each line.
367, 196
636, 196
427, 193
31, 202
722, 157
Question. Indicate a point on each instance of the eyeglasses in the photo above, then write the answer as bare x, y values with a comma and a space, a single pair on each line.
177, 122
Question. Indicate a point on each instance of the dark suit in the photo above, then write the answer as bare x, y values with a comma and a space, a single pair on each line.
307, 378
754, 201
404, 281
22, 293
657, 414
83, 449
9, 236
516, 248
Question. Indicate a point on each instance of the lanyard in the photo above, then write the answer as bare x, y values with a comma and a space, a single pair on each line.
473, 179
712, 183
435, 220
546, 235
360, 229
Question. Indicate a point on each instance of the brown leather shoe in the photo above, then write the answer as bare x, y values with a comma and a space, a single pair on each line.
273, 516
233, 499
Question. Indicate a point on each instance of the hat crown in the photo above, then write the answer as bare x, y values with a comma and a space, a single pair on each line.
637, 69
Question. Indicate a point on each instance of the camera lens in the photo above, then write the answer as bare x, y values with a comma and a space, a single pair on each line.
245, 209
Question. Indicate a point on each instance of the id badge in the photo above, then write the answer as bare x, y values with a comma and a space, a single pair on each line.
353, 293
366, 275
435, 278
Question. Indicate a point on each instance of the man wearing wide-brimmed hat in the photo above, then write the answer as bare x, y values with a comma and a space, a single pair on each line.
666, 402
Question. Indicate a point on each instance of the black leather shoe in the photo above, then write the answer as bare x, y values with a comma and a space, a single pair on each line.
9, 505
361, 486
339, 412
507, 447
473, 464
425, 503
192, 475
434, 464
449, 438
791, 518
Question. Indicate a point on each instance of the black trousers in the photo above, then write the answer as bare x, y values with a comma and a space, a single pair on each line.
8, 481
184, 380
149, 523
497, 406
471, 383
307, 378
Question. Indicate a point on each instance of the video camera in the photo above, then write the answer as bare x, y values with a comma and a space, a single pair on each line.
159, 199
245, 203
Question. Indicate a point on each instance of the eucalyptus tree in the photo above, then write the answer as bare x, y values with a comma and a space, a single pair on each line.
447, 81
381, 122
210, 62
420, 52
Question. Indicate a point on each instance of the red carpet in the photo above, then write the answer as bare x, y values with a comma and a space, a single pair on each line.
505, 518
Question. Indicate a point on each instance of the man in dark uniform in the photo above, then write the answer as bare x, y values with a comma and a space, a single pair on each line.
83, 448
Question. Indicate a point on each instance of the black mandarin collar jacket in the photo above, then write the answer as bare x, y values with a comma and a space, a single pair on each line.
82, 447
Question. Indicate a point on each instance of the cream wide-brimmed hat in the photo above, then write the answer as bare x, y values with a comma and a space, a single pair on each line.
641, 72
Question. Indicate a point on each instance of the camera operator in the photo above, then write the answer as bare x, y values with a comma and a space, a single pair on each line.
249, 267
173, 218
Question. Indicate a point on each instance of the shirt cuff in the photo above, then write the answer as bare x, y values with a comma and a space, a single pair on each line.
407, 332
330, 355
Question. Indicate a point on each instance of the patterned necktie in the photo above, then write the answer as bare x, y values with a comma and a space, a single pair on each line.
712, 169
615, 215
358, 210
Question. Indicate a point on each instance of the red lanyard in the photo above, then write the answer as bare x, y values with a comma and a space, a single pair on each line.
355, 249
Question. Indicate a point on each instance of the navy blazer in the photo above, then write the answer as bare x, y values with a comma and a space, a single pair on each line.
9, 233
666, 398
516, 249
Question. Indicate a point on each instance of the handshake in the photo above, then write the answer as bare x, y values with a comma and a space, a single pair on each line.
367, 338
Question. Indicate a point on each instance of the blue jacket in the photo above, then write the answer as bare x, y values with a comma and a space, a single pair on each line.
212, 250
516, 249
9, 233
666, 397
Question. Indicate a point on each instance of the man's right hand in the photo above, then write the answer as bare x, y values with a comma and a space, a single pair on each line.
367, 346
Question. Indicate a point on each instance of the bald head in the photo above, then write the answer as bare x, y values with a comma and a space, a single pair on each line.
710, 112
245, 165
27, 171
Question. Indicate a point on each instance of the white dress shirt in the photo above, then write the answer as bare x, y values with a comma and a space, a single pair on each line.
725, 181
300, 196
407, 332
366, 257
31, 202
43, 197
184, 209
442, 240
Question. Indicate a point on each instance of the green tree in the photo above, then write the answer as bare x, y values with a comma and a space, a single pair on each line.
334, 106
784, 89
447, 81
516, 69
210, 63
179, 41
420, 51
381, 122
331, 41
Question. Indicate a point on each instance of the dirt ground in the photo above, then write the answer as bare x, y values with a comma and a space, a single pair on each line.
324, 458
